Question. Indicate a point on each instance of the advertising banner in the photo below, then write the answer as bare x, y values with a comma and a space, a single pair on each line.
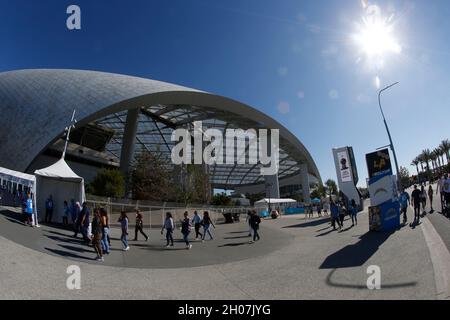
379, 164
345, 166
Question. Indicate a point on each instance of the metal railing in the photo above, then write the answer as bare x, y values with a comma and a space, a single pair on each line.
154, 215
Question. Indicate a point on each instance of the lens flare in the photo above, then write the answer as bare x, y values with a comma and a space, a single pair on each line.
375, 36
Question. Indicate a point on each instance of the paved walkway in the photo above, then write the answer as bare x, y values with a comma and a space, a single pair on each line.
297, 259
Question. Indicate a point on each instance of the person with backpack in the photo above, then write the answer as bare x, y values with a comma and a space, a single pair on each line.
186, 230
207, 223
124, 227
197, 221
169, 226
255, 220
97, 235
139, 226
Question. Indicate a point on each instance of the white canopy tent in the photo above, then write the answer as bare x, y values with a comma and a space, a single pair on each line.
266, 201
13, 179
62, 184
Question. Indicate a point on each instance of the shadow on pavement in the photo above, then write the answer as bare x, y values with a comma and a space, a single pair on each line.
309, 224
233, 244
357, 254
240, 237
67, 254
330, 283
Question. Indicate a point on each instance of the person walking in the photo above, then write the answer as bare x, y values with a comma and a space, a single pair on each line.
124, 227
440, 190
49, 209
139, 227
97, 235
247, 220
446, 189
353, 212
423, 199
404, 204
85, 222
255, 220
416, 199
29, 211
197, 221
430, 197
169, 226
334, 210
66, 213
342, 212
186, 230
105, 231
207, 223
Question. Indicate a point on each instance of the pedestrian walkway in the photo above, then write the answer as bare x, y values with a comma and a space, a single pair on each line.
296, 259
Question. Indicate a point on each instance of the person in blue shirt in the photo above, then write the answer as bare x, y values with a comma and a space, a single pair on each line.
49, 209
197, 221
66, 213
124, 227
335, 215
404, 203
29, 210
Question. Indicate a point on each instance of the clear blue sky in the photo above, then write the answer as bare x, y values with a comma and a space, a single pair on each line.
292, 59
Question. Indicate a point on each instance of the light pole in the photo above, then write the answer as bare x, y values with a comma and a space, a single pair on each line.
388, 132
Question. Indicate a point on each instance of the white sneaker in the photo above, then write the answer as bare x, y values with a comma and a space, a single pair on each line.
126, 249
100, 259
189, 247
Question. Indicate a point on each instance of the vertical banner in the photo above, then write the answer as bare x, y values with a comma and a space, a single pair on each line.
384, 213
345, 166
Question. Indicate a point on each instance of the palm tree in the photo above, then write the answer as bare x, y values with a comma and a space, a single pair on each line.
421, 161
331, 187
437, 153
433, 158
415, 163
445, 147
426, 155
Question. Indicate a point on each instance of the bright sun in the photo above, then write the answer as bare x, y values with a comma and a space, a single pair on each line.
375, 38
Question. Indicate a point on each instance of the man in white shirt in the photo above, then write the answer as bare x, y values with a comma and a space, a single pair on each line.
446, 190
440, 190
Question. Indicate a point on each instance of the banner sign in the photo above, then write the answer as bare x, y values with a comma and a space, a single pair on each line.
344, 166
379, 163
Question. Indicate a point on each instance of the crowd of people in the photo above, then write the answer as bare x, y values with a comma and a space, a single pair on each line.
338, 211
419, 197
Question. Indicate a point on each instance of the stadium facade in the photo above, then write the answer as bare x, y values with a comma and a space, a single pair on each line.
118, 115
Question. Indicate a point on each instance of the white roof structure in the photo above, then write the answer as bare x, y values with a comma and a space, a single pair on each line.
274, 201
38, 103
59, 170
17, 177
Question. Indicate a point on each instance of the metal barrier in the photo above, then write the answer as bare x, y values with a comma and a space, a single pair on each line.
154, 216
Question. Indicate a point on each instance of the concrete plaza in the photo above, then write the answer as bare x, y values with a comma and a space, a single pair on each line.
297, 258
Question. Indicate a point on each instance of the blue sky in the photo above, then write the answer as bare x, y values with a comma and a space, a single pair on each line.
294, 60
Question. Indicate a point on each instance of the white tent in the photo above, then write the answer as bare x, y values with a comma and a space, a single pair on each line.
62, 184
266, 201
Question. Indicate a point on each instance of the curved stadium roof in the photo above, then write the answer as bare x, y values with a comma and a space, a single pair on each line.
35, 106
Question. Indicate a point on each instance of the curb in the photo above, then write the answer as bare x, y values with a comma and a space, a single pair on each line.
440, 258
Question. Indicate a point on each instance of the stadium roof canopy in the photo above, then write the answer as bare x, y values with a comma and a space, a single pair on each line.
36, 106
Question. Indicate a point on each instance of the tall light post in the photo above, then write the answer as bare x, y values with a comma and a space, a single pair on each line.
388, 132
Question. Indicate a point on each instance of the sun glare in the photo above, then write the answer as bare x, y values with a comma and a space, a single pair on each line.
375, 38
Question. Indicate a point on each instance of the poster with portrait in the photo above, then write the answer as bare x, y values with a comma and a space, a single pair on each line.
344, 166
375, 219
